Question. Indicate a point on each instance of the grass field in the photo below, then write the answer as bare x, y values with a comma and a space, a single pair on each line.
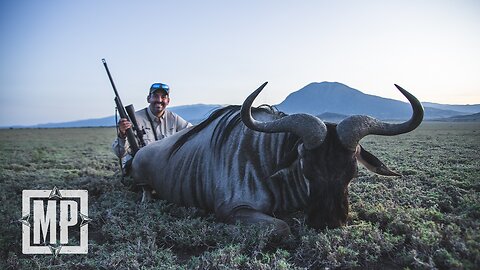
428, 218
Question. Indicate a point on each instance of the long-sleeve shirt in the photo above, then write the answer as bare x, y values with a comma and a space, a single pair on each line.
168, 124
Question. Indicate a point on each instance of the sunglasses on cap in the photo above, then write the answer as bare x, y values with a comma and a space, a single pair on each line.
159, 86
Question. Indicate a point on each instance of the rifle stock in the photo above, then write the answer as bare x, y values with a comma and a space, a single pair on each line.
131, 138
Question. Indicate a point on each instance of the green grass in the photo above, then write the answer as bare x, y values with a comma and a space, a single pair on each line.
429, 218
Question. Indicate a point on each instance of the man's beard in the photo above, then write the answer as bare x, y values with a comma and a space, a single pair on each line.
159, 103
158, 107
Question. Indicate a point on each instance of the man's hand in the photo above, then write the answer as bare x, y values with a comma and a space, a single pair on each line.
123, 125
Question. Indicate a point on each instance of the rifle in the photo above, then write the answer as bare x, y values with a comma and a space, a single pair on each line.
128, 113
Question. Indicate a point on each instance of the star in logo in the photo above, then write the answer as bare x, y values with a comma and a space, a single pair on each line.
25, 219
85, 219
55, 250
55, 193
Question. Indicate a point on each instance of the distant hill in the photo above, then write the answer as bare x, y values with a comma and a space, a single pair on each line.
332, 117
334, 97
470, 109
96, 122
461, 118
192, 113
195, 113
434, 113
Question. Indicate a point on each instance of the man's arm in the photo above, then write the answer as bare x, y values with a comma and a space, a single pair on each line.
181, 123
121, 146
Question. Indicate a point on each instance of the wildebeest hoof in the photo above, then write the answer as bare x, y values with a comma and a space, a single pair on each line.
146, 195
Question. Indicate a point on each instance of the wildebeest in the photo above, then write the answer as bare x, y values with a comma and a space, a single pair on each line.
255, 164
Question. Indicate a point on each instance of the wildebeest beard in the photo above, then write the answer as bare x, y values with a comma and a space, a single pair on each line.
329, 170
327, 208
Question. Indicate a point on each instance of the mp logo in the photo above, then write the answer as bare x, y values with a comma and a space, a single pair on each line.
55, 221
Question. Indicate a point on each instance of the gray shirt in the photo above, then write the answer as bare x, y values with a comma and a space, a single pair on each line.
165, 126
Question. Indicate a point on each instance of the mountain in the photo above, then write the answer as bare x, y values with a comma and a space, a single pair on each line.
334, 97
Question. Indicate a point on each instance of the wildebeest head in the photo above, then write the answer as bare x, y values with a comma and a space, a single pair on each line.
329, 153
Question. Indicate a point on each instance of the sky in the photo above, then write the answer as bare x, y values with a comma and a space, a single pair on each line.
218, 52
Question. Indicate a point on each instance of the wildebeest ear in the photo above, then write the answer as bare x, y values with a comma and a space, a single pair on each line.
372, 163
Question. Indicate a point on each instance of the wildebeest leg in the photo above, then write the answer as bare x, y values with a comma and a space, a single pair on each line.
252, 216
146, 194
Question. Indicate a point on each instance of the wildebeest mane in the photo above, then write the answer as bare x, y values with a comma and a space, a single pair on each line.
225, 125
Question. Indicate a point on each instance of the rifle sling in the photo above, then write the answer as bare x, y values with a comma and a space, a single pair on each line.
151, 124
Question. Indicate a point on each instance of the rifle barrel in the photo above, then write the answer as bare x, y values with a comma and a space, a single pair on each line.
132, 140
110, 77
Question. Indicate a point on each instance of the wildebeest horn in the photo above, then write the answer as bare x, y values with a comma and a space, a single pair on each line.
311, 129
354, 128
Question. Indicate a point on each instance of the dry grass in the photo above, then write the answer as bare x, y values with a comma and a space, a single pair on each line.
429, 218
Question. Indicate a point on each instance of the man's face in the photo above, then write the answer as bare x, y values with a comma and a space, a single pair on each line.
158, 102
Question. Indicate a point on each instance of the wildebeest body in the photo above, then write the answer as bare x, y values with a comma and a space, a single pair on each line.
221, 169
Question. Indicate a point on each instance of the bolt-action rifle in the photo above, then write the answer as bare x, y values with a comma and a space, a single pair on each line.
127, 112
